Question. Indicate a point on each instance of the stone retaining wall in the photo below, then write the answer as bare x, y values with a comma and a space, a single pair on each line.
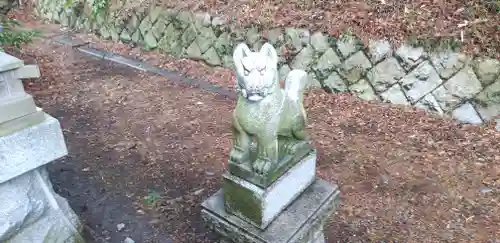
446, 83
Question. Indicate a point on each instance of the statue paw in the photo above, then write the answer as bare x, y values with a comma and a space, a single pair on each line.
262, 166
236, 155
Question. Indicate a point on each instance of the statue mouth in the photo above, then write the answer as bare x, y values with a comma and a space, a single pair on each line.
254, 97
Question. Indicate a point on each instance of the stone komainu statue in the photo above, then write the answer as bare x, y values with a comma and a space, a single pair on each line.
274, 117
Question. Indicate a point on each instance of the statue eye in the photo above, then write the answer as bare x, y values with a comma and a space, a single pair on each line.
246, 72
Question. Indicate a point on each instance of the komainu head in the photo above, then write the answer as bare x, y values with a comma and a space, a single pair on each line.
256, 72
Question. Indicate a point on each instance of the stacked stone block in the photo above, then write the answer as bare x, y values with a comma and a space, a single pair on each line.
445, 82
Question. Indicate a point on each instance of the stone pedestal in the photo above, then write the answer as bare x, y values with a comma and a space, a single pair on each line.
301, 222
292, 209
30, 210
260, 206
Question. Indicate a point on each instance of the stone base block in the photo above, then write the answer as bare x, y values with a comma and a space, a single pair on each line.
301, 222
15, 108
259, 206
32, 212
285, 161
21, 123
31, 148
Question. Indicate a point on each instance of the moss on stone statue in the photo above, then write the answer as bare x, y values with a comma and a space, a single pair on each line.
248, 206
54, 236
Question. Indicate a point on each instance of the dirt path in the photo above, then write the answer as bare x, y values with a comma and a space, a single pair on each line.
146, 152
130, 135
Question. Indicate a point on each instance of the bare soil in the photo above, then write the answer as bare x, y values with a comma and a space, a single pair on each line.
153, 150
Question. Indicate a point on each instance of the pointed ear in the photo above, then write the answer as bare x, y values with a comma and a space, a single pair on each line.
239, 53
268, 50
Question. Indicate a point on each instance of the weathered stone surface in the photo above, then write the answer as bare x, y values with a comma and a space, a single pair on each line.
188, 36
283, 71
170, 42
348, 46
334, 83
327, 63
30, 148
15, 107
464, 84
429, 103
32, 212
205, 39
305, 36
276, 36
364, 90
150, 41
238, 34
79, 24
296, 39
228, 62
155, 13
20, 123
145, 26
193, 51
448, 63
385, 74
211, 57
114, 34
184, 19
125, 36
259, 206
203, 19
313, 82
304, 59
218, 22
355, 67
420, 81
320, 42
87, 25
170, 13
283, 55
410, 56
258, 44
104, 32
223, 45
488, 101
447, 101
467, 114
394, 95
119, 24
137, 37
14, 102
379, 50
63, 18
253, 35
308, 213
487, 69
158, 29
8, 62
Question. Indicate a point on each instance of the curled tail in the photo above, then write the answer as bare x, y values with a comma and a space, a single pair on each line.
295, 83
